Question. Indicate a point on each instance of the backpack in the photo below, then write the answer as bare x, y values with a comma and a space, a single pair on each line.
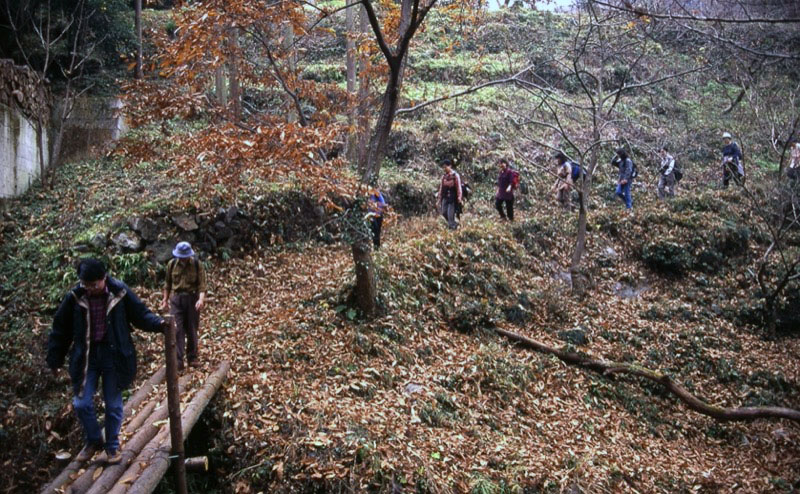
577, 171
514, 178
171, 266
466, 191
677, 173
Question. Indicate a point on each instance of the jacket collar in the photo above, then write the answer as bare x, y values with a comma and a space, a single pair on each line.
116, 290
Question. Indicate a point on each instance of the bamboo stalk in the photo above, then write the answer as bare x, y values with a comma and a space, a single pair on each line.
197, 464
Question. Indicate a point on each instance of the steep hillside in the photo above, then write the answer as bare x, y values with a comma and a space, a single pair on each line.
426, 397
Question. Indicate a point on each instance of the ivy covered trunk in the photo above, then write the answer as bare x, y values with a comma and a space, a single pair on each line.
365, 292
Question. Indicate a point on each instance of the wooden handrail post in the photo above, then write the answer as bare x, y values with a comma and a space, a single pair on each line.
174, 405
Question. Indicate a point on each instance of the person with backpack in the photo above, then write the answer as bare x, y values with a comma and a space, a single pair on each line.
185, 295
507, 183
93, 325
667, 174
627, 172
377, 206
449, 196
732, 161
564, 181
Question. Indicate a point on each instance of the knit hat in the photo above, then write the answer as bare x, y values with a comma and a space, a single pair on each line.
183, 250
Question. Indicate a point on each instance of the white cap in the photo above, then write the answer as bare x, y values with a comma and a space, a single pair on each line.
727, 135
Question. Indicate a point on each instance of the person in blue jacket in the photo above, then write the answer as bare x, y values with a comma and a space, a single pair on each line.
93, 326
625, 178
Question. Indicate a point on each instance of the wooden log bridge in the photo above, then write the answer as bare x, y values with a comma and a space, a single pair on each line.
146, 452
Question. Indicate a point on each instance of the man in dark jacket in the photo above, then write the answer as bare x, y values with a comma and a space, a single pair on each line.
625, 179
506, 184
93, 324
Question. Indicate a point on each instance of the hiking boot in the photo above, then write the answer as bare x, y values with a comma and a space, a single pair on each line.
194, 363
88, 452
113, 458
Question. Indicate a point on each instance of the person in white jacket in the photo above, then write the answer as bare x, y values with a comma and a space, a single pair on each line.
666, 179
794, 166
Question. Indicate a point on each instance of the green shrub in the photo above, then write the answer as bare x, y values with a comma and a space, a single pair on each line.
732, 240
667, 258
409, 200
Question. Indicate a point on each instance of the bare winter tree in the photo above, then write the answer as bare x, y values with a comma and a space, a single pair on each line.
588, 122
57, 31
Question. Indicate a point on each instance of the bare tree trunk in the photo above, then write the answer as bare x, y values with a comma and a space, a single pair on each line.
380, 136
220, 87
579, 279
138, 22
40, 150
362, 131
350, 45
365, 292
291, 59
233, 74
66, 108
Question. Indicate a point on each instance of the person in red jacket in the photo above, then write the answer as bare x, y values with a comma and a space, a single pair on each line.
507, 183
449, 194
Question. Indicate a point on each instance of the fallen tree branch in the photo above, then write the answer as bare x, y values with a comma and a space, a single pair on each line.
605, 367
507, 80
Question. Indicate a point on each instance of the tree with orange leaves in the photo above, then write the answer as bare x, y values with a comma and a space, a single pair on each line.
278, 126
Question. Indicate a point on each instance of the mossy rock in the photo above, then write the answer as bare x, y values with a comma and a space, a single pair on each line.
732, 240
460, 148
709, 261
667, 258
403, 145
409, 200
472, 316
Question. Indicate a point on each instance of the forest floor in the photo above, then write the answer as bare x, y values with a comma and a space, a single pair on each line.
408, 401
426, 397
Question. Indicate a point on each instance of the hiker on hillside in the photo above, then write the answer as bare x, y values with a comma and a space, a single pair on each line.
563, 184
185, 295
449, 194
732, 161
666, 179
377, 206
794, 165
507, 183
93, 325
626, 176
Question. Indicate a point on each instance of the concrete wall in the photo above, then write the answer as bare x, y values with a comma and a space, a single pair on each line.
19, 155
93, 123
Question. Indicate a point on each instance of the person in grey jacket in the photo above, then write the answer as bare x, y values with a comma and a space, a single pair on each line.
666, 179
93, 325
732, 161
625, 179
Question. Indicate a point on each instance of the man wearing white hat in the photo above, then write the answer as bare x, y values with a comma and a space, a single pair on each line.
184, 294
732, 164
